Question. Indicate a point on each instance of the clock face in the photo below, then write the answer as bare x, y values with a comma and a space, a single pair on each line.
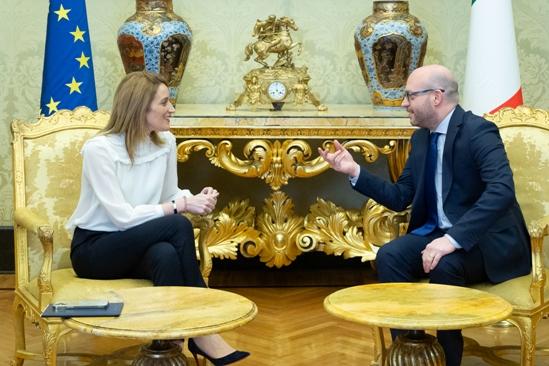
276, 90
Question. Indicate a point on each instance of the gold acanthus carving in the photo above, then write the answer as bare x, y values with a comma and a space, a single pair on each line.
277, 235
80, 117
333, 230
280, 228
51, 332
272, 237
233, 226
521, 115
381, 225
275, 161
538, 231
45, 234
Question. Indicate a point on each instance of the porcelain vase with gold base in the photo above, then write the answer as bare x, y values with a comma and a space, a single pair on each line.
157, 40
389, 45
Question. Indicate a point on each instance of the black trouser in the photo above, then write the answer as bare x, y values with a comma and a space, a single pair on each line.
161, 250
400, 261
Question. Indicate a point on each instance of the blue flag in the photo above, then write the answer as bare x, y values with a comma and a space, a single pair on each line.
68, 80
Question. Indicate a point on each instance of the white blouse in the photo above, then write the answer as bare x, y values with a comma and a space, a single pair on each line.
116, 195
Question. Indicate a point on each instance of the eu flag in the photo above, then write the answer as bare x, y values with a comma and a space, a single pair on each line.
68, 80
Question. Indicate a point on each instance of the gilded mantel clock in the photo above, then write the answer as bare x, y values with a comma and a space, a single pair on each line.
281, 82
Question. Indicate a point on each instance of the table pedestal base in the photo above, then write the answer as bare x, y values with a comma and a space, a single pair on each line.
416, 349
161, 353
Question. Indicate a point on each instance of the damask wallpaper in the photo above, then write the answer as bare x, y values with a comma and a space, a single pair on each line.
221, 29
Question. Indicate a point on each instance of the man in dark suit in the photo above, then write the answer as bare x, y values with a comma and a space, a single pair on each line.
465, 225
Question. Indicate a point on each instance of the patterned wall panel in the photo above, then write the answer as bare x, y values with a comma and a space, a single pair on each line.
221, 29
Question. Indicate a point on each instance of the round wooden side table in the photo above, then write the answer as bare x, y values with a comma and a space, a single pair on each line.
164, 314
417, 306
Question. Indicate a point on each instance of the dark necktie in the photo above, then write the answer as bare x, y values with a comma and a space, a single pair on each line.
430, 191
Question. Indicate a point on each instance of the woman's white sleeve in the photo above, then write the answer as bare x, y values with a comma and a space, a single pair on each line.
99, 169
171, 190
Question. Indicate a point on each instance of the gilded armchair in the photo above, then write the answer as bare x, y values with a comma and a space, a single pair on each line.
46, 170
525, 134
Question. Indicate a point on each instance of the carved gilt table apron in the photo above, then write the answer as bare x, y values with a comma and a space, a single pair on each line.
277, 147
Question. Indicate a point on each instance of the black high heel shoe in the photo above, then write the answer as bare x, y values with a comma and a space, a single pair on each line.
225, 360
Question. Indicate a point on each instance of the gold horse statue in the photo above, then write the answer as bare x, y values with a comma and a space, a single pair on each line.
273, 36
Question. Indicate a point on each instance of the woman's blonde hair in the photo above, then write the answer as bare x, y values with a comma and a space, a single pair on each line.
132, 100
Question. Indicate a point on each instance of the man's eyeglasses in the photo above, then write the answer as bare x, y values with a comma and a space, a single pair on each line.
410, 95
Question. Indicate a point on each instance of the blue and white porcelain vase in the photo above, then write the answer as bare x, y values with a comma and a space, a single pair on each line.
157, 40
389, 45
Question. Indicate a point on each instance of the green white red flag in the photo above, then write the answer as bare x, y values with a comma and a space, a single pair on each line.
492, 76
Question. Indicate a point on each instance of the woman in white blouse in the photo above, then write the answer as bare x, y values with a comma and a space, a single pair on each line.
127, 221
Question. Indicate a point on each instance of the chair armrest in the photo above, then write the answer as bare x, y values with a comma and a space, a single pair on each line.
204, 223
29, 219
538, 230
38, 225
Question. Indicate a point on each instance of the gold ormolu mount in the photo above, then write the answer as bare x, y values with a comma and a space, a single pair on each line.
283, 81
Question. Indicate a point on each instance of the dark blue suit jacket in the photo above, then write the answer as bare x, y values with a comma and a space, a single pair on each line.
478, 193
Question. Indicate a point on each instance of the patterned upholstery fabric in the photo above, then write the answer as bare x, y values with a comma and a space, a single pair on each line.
53, 166
528, 153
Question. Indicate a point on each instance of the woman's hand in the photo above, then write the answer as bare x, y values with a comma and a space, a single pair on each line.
201, 203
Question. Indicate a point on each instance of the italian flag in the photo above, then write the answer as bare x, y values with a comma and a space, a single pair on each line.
492, 77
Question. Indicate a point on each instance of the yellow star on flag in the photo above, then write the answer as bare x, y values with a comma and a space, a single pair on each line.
74, 86
52, 105
62, 13
83, 60
78, 34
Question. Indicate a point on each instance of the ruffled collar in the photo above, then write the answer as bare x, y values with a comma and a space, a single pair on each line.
145, 151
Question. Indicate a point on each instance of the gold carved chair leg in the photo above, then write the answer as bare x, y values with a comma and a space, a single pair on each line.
20, 343
527, 327
51, 333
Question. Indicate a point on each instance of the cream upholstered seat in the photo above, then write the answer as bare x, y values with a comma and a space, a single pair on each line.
525, 134
46, 170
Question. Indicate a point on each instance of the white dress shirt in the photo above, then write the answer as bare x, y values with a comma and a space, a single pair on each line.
443, 221
115, 194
